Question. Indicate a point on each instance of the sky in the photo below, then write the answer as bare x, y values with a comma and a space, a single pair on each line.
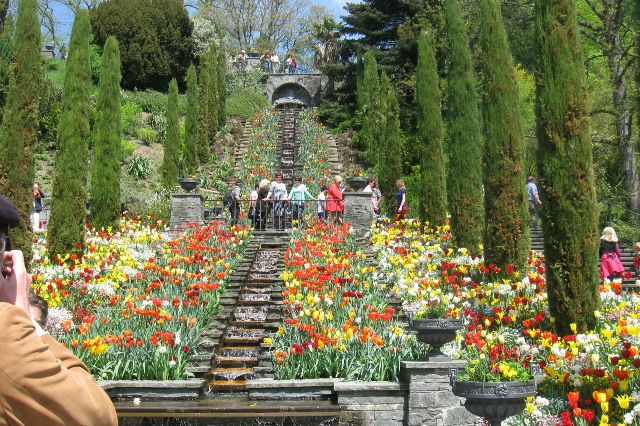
64, 17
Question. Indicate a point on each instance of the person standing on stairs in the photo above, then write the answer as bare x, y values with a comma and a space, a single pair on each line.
534, 201
253, 197
262, 206
298, 197
335, 203
234, 208
610, 264
322, 204
279, 196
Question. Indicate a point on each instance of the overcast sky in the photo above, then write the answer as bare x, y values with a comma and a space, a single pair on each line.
64, 17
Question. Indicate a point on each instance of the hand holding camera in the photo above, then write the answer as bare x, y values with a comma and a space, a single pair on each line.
15, 280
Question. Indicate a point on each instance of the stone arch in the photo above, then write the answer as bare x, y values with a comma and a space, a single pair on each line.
291, 92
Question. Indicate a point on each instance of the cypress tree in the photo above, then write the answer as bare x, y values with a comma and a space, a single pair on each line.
107, 153
506, 238
204, 144
359, 79
190, 146
222, 88
171, 156
6, 52
66, 230
565, 165
464, 184
214, 99
389, 167
433, 201
20, 122
370, 132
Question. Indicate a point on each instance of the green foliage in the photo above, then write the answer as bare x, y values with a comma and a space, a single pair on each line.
130, 117
49, 111
204, 147
190, 146
154, 36
6, 51
222, 88
565, 164
151, 101
464, 138
65, 233
105, 177
55, 70
389, 167
433, 199
171, 156
506, 238
20, 122
158, 122
95, 60
370, 109
212, 93
246, 103
127, 148
139, 168
147, 136
252, 79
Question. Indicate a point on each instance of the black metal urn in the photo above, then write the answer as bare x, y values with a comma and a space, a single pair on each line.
357, 183
495, 401
188, 184
436, 332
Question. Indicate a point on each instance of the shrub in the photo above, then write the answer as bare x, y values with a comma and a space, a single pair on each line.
139, 168
246, 103
130, 121
147, 136
127, 148
154, 36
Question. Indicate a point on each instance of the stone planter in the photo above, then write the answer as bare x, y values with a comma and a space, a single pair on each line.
357, 183
495, 401
188, 184
436, 332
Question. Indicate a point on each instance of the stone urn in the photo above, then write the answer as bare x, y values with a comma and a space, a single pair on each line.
436, 332
188, 184
357, 183
495, 401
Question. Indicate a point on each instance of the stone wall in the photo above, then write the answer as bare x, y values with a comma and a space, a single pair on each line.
186, 208
310, 83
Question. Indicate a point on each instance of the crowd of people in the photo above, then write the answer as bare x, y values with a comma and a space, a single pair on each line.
269, 62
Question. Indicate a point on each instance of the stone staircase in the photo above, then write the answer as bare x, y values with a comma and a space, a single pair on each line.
334, 158
288, 149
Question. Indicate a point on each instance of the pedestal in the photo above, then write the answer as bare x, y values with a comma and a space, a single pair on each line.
186, 208
358, 211
430, 401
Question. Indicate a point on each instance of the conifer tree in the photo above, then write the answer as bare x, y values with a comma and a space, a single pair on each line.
20, 122
66, 230
171, 156
464, 147
506, 238
433, 201
359, 79
565, 165
6, 54
214, 99
222, 88
370, 94
190, 146
390, 164
105, 177
204, 143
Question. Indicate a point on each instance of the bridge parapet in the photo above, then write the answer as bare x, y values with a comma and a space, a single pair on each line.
302, 89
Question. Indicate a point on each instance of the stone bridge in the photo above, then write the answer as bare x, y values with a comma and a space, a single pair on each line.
302, 89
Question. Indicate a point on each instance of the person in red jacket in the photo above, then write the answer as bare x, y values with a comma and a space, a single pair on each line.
335, 203
636, 260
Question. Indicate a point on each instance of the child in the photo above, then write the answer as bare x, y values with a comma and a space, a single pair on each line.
636, 261
322, 203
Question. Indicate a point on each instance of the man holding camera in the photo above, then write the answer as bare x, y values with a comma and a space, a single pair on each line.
41, 381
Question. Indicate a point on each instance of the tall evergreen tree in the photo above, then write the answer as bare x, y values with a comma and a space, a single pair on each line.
20, 122
359, 78
171, 156
66, 230
370, 95
214, 99
222, 88
389, 168
190, 146
565, 165
204, 143
107, 153
6, 53
464, 137
506, 238
433, 199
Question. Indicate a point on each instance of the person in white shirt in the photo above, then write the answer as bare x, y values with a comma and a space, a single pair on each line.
275, 63
322, 204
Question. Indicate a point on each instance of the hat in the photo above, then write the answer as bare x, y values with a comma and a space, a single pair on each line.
9, 218
609, 235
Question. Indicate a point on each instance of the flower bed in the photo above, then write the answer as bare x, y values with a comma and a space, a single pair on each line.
337, 319
314, 152
259, 160
589, 378
135, 305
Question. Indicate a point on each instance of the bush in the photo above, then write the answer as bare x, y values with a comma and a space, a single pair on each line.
127, 148
155, 39
147, 136
246, 103
130, 113
139, 168
158, 122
